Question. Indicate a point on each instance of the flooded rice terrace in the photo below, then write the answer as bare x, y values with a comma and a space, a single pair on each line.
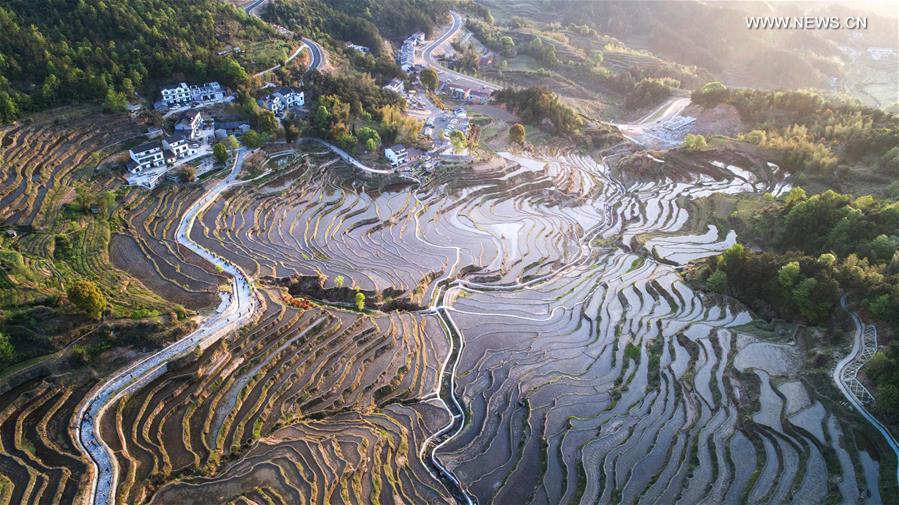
589, 371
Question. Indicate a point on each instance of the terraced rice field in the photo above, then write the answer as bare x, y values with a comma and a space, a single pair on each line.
589, 372
148, 250
40, 461
313, 387
42, 161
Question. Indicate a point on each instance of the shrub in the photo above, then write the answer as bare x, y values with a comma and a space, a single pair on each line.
693, 143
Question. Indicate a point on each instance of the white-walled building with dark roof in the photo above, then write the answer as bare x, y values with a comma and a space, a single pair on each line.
282, 99
145, 156
182, 94
191, 123
396, 154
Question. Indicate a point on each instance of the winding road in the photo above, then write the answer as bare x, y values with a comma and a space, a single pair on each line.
842, 377
241, 309
458, 78
315, 50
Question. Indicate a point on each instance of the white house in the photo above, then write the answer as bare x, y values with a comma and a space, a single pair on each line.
182, 94
156, 154
225, 128
284, 98
396, 85
406, 54
145, 156
358, 48
211, 91
396, 154
191, 123
174, 96
176, 147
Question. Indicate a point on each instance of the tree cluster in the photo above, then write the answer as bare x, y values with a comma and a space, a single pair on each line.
822, 247
812, 133
649, 91
883, 371
538, 105
54, 53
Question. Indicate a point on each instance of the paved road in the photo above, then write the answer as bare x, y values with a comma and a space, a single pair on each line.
445, 73
288, 60
840, 379
318, 54
345, 156
240, 310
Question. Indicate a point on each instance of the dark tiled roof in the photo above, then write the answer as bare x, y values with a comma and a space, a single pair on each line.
175, 137
146, 146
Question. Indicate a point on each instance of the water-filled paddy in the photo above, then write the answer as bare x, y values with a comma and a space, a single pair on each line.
589, 373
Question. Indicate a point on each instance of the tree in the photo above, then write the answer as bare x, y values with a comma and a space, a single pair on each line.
115, 102
879, 366
429, 79
795, 195
882, 248
7, 350
538, 105
360, 301
508, 45
338, 281
232, 143
694, 143
756, 137
457, 139
788, 275
717, 282
87, 297
190, 173
266, 122
220, 152
827, 259
710, 95
733, 257
517, 133
370, 137
9, 110
252, 139
886, 398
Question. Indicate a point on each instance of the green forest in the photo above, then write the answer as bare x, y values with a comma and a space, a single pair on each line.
815, 135
817, 249
365, 22
57, 52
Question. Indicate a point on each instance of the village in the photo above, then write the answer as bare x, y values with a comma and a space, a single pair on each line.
196, 119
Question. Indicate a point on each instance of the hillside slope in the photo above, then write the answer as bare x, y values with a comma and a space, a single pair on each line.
55, 52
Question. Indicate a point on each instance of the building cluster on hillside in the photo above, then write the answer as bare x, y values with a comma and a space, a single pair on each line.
151, 160
282, 99
183, 94
406, 55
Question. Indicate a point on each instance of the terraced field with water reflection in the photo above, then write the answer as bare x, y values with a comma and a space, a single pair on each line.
545, 351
